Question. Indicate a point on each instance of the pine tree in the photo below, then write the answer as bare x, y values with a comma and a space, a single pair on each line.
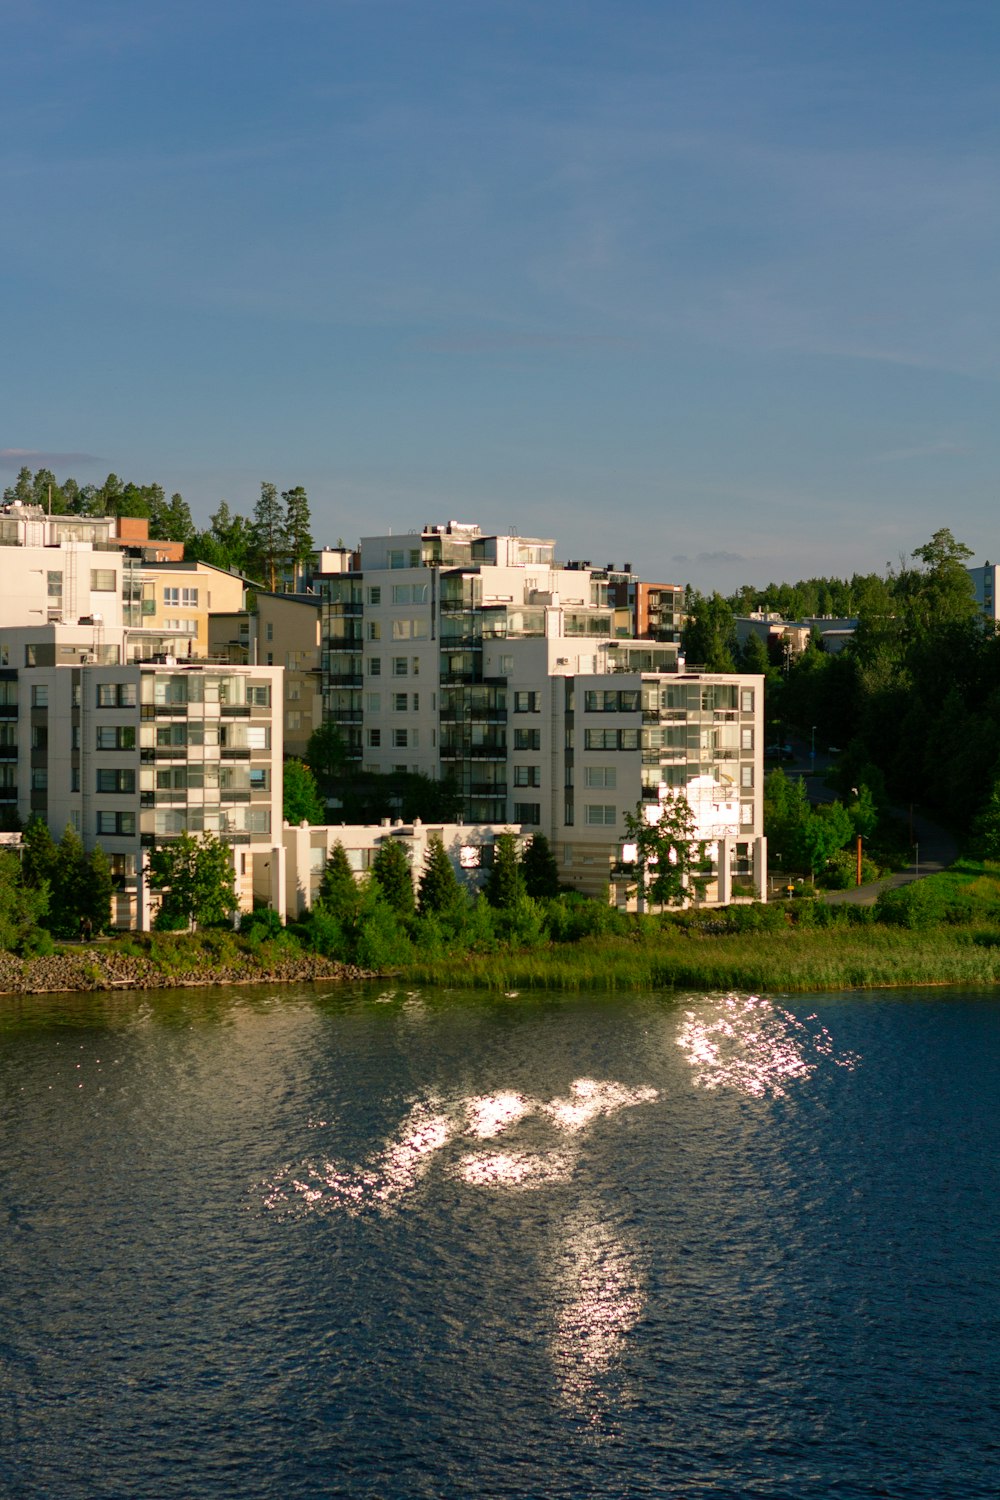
69, 885
96, 892
391, 868
296, 537
338, 889
439, 889
266, 529
541, 873
39, 854
505, 886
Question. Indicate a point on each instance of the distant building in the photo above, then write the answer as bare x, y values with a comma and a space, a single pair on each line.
986, 582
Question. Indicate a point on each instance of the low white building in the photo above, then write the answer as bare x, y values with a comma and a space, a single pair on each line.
307, 847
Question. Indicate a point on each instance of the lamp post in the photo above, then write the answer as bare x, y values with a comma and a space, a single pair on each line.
812, 749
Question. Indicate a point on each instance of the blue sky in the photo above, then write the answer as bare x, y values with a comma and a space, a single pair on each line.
711, 288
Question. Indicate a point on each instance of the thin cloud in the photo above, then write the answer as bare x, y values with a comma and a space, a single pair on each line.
18, 458
721, 557
490, 343
942, 449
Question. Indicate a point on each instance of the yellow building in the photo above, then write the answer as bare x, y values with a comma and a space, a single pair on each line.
177, 598
282, 631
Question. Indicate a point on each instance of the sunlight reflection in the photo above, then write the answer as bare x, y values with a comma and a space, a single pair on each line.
432, 1125
602, 1300
753, 1045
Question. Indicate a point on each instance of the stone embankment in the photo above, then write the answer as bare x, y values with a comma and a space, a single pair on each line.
97, 969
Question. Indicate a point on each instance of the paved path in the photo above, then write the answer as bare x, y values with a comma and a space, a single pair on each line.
934, 845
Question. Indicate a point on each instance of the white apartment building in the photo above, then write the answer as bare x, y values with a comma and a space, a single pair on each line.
131, 754
986, 582
454, 652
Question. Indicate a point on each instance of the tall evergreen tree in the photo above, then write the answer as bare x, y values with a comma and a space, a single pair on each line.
504, 887
538, 865
267, 530
338, 889
391, 868
439, 889
296, 537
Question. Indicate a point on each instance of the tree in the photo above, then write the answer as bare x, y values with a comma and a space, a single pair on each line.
439, 890
22, 489
22, 908
266, 530
171, 519
296, 537
504, 887
666, 850
300, 796
710, 635
197, 880
96, 891
326, 753
538, 865
391, 869
825, 830
338, 889
39, 854
69, 883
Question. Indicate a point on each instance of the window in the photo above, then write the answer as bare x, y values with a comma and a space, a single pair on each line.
526, 703
374, 703
399, 739
410, 593
374, 630
123, 695
527, 812
400, 666
260, 778
602, 776
746, 739
40, 695
399, 702
268, 628
293, 692
171, 598
611, 701
506, 666
117, 736
611, 739
293, 719
397, 559
374, 666
258, 736
258, 820
259, 694
416, 702
527, 739
55, 585
600, 814
74, 779
375, 594
39, 737
374, 738
746, 776
102, 580
115, 783
527, 776
746, 814
409, 630
746, 700
119, 824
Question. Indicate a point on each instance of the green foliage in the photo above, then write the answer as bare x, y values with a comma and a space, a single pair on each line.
197, 880
22, 907
710, 633
391, 868
380, 940
95, 894
667, 853
262, 922
538, 865
825, 830
504, 887
326, 754
296, 537
439, 890
338, 889
300, 796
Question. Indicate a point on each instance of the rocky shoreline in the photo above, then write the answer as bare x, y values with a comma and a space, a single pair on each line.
95, 969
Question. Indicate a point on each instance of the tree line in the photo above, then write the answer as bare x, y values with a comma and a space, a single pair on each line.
273, 541
912, 702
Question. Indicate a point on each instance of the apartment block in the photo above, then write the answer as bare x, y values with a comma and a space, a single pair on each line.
282, 630
457, 653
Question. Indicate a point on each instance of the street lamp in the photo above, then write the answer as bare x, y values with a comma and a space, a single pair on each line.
812, 749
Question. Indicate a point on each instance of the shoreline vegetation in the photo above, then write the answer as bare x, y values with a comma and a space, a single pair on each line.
944, 930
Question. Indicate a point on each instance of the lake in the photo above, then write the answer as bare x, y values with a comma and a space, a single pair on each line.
369, 1242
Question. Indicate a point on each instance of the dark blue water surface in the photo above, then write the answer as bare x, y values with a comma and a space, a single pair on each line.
429, 1244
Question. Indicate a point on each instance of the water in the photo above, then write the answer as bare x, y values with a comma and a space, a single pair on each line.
387, 1245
